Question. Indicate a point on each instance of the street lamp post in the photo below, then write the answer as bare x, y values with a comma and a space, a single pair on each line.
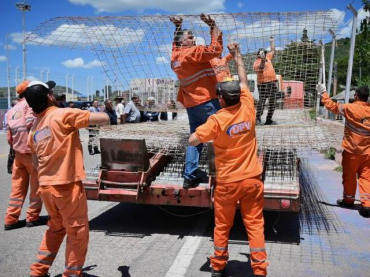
24, 7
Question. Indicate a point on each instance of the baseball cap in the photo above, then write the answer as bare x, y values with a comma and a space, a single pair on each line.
229, 89
22, 87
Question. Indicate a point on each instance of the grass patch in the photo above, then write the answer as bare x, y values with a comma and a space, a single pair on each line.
330, 153
312, 114
338, 169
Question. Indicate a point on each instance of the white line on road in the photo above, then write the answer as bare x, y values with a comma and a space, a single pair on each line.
183, 259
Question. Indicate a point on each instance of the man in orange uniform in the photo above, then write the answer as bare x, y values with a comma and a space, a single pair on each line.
54, 139
356, 146
266, 82
238, 178
221, 67
191, 63
20, 119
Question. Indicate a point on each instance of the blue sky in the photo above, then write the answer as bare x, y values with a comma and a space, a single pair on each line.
83, 65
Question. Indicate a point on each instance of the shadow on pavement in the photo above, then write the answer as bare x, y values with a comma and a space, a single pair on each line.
124, 270
233, 268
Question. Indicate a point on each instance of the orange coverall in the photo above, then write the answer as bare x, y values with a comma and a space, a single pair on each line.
221, 67
20, 119
195, 73
55, 140
232, 130
356, 145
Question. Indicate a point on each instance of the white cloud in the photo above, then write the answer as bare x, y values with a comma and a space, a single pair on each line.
176, 6
3, 59
11, 47
240, 5
162, 60
83, 35
80, 63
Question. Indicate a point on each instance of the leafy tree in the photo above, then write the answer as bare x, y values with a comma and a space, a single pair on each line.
300, 61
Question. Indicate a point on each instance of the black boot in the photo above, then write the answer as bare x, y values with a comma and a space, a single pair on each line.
91, 152
96, 150
365, 211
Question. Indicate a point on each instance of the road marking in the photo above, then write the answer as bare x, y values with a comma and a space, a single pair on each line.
183, 259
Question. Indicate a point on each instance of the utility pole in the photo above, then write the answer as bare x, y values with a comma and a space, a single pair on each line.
351, 52
8, 69
24, 7
73, 80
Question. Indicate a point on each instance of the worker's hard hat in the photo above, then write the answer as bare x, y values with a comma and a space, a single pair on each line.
229, 89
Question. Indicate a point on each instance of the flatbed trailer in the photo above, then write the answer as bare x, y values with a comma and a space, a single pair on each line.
129, 173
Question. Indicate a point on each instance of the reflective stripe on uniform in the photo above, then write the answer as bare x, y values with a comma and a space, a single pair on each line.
16, 199
258, 249
223, 258
219, 248
358, 130
349, 196
47, 254
15, 205
365, 196
41, 261
73, 267
257, 260
195, 77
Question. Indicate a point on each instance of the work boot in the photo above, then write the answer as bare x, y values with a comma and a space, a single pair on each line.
96, 150
41, 221
341, 203
91, 152
19, 224
190, 183
218, 273
270, 122
365, 211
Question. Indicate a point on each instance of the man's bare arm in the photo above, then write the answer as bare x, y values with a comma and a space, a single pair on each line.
193, 139
235, 52
211, 23
177, 20
99, 119
272, 44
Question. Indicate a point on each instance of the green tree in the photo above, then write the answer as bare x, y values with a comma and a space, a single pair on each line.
300, 61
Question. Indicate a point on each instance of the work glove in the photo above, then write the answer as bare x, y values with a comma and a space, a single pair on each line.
320, 88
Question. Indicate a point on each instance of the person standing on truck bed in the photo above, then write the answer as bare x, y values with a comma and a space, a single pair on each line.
356, 146
238, 171
55, 143
191, 63
266, 82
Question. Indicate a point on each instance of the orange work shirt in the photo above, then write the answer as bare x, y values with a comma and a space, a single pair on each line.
55, 140
233, 132
267, 74
221, 67
195, 73
356, 138
20, 119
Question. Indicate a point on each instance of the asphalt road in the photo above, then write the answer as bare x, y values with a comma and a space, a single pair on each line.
133, 240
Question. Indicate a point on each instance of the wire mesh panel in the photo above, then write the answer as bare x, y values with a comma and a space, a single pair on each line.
136, 53
136, 50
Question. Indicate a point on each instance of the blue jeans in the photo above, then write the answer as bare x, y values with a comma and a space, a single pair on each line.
198, 115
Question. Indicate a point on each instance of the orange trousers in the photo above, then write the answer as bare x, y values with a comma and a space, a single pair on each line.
24, 175
356, 166
67, 208
250, 194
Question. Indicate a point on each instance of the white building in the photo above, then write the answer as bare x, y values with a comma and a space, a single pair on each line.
161, 89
